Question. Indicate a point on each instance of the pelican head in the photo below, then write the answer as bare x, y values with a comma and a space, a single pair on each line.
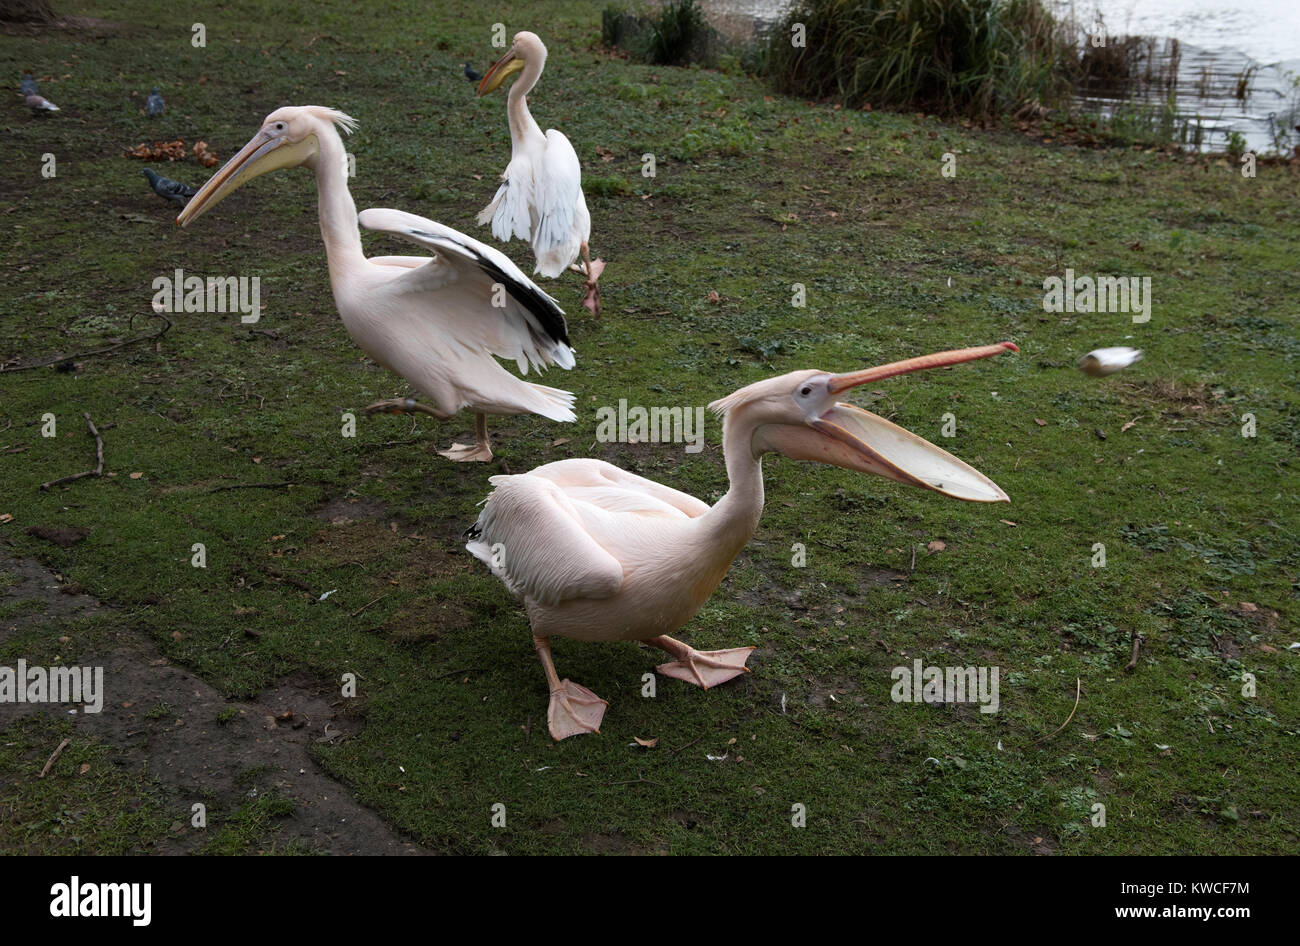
798, 415
289, 138
526, 48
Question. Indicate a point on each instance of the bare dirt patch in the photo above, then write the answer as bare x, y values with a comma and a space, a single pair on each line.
165, 723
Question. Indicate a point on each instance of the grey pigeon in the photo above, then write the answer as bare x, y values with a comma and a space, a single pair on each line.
29, 85
470, 74
38, 103
166, 187
153, 105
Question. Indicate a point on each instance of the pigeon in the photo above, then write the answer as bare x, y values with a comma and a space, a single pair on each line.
29, 85
1106, 361
166, 187
38, 103
153, 105
470, 74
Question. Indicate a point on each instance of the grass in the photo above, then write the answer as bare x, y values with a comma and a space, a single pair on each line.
977, 58
753, 192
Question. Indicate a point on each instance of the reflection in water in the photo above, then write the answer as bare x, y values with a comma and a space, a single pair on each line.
1234, 68
1217, 48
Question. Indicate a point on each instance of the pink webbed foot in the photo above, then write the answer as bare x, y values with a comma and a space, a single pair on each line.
459, 452
708, 668
574, 710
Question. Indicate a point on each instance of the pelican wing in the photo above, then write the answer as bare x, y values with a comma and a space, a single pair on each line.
617, 490
533, 537
557, 189
510, 210
529, 328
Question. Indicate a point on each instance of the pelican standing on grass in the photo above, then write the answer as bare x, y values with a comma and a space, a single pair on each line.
540, 197
599, 554
436, 321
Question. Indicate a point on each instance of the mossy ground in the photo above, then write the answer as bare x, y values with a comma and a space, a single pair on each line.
752, 194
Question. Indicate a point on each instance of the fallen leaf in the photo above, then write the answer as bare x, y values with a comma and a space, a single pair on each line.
1248, 607
714, 297
1006, 522
136, 476
1040, 422
937, 546
560, 441
177, 636
6, 517
648, 743
85, 767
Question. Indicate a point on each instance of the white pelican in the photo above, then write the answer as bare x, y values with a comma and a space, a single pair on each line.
540, 197
436, 321
599, 554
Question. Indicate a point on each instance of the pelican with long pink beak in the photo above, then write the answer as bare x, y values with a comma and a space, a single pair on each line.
440, 321
599, 554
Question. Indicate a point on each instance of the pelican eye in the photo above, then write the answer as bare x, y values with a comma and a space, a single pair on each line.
806, 390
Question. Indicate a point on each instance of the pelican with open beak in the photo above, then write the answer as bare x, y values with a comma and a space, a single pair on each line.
600, 554
440, 322
540, 198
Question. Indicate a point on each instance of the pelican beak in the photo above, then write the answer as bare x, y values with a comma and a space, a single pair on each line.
502, 68
264, 154
849, 437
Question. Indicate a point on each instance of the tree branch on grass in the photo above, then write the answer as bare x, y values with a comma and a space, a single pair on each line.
99, 458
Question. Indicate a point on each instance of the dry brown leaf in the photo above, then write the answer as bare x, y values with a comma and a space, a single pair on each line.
560, 441
1248, 607
1007, 522
1040, 422
937, 546
6, 517
85, 767
714, 297
648, 743
136, 476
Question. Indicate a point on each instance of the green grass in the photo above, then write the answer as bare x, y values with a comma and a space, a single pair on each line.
978, 58
753, 193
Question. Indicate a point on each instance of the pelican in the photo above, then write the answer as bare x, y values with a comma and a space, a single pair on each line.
540, 197
599, 554
436, 321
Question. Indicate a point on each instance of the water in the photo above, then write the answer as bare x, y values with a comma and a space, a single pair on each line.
1234, 65
1219, 43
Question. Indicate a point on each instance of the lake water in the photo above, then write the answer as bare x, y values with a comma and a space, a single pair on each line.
1220, 42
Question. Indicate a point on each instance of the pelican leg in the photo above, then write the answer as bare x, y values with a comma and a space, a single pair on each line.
480, 451
404, 405
591, 300
704, 668
574, 709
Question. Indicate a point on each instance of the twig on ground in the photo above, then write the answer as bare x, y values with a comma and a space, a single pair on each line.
1137, 646
53, 758
98, 351
366, 605
222, 489
452, 673
99, 458
1078, 690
